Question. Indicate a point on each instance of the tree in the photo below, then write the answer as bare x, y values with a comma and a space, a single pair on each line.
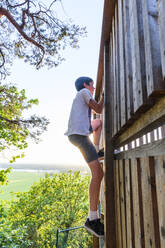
30, 30
54, 203
14, 130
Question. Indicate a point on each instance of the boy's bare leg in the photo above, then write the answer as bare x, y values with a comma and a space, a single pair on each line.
94, 188
93, 223
97, 127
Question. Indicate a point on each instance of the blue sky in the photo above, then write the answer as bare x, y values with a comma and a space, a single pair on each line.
55, 88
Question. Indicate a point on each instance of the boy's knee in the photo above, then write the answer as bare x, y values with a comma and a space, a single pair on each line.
100, 174
100, 122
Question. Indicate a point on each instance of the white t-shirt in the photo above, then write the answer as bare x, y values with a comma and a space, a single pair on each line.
79, 122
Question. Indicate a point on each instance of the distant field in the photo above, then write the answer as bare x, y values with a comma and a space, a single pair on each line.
19, 182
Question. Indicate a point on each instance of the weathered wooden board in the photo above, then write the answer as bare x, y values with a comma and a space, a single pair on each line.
145, 123
161, 21
110, 238
111, 59
160, 189
128, 204
128, 60
117, 206
138, 58
136, 207
148, 217
163, 131
122, 65
115, 106
102, 189
118, 109
122, 202
154, 78
150, 149
152, 136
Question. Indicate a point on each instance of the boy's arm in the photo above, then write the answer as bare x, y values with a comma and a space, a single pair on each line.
97, 106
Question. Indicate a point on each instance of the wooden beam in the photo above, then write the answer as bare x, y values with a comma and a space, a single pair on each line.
160, 185
153, 118
110, 232
156, 148
108, 13
161, 7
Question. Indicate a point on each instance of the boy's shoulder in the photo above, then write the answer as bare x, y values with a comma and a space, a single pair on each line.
84, 91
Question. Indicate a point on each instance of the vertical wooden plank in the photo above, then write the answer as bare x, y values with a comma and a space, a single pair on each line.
122, 65
102, 190
101, 144
128, 59
147, 141
117, 69
152, 47
163, 131
161, 8
122, 202
112, 80
110, 231
117, 207
140, 141
135, 201
115, 108
138, 58
128, 204
132, 210
154, 201
152, 136
140, 202
160, 189
129, 145
149, 233
157, 133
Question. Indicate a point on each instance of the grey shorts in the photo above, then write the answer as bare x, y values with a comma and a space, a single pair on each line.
85, 146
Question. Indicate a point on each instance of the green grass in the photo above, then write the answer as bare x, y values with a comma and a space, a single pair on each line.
19, 182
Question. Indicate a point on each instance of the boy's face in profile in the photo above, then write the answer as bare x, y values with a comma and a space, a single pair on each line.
90, 87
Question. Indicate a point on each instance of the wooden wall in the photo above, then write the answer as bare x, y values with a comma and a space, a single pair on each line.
140, 198
137, 46
134, 124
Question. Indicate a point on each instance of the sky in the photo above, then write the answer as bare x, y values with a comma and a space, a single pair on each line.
55, 88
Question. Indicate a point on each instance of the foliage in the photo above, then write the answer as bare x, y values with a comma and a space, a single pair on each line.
31, 31
3, 176
14, 129
54, 203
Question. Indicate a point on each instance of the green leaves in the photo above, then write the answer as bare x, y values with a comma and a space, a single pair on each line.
3, 176
31, 31
57, 202
14, 129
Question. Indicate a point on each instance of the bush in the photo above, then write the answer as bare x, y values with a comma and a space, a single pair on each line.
57, 202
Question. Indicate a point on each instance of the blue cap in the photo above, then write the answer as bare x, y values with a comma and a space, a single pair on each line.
79, 83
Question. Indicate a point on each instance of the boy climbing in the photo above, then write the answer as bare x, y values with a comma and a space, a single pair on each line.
80, 127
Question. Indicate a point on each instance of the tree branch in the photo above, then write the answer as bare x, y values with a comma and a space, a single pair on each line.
3, 58
6, 13
17, 5
9, 121
52, 4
